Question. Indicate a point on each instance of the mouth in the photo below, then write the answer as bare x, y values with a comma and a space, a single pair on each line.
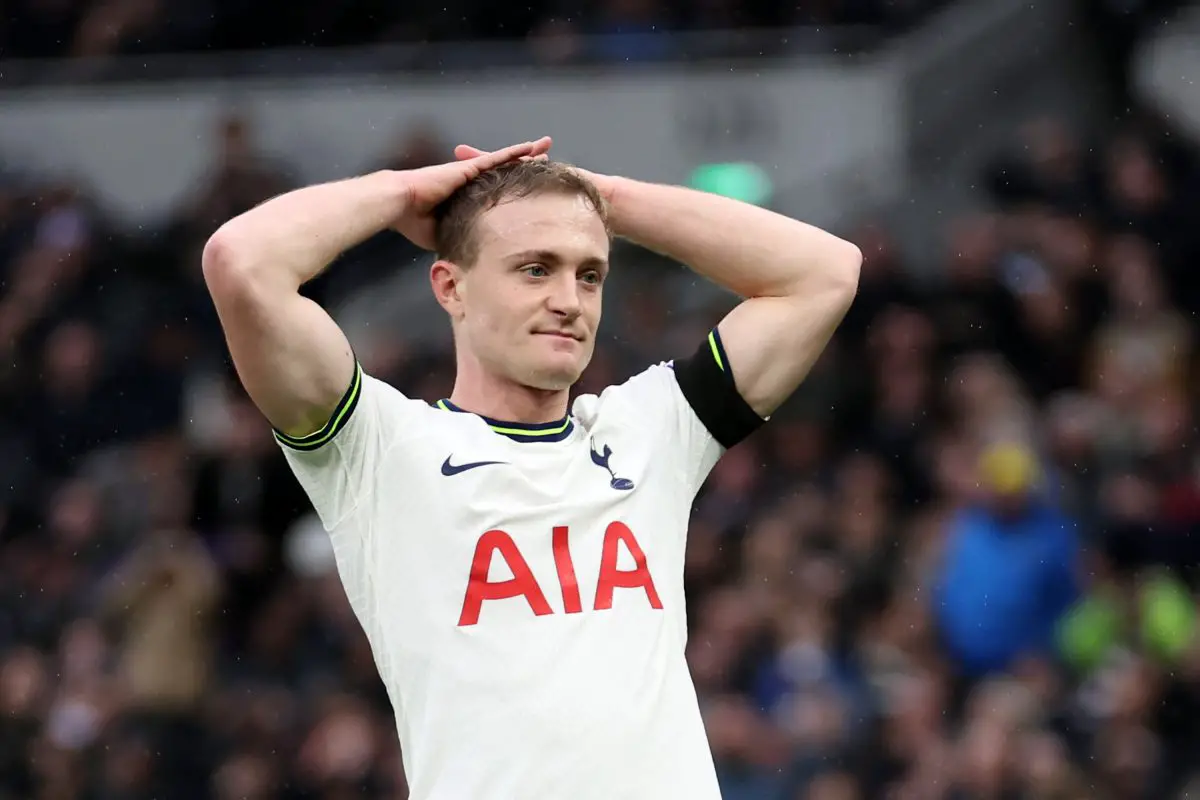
561, 335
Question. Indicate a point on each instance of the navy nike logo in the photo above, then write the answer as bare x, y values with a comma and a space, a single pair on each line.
449, 469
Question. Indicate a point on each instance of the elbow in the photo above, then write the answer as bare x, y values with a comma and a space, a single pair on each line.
219, 259
222, 256
834, 274
847, 266
228, 264
230, 274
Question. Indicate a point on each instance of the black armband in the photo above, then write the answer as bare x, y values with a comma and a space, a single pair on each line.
706, 381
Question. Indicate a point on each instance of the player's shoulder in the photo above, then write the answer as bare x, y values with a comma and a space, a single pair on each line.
392, 404
656, 379
384, 409
637, 397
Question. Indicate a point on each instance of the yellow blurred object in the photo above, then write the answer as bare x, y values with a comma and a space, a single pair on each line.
1008, 468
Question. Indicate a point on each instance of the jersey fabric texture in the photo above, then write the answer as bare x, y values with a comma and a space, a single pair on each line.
522, 585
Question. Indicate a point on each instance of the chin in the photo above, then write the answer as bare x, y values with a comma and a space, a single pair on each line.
554, 380
555, 374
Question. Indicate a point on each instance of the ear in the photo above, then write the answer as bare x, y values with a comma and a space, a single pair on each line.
446, 280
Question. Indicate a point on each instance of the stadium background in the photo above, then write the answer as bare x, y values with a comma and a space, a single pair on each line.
1024, 183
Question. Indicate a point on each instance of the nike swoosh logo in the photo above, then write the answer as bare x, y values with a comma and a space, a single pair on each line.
449, 469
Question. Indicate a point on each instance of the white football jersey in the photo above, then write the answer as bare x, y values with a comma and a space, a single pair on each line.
522, 586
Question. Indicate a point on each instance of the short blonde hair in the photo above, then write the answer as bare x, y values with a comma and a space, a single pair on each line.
456, 218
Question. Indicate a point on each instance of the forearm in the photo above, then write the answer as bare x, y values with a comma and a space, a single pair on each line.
293, 237
751, 251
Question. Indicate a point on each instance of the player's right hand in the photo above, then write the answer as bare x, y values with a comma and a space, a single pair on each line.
605, 184
427, 187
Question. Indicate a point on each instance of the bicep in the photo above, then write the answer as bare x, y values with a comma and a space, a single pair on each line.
291, 357
771, 343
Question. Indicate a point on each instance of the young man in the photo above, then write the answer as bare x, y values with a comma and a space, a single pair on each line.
517, 568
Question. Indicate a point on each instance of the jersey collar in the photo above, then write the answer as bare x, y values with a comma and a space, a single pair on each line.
520, 431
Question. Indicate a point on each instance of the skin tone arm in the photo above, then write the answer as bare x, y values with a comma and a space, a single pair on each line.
799, 281
290, 355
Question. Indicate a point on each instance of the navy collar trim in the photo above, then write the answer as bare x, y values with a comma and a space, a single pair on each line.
520, 431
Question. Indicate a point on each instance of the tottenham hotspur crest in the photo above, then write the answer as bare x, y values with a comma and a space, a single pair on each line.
600, 459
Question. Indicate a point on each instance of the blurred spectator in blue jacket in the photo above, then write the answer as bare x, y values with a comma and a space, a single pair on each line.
1009, 568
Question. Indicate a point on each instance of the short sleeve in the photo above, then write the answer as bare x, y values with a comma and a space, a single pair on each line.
337, 464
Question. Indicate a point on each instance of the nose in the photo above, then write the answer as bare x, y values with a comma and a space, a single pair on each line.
563, 296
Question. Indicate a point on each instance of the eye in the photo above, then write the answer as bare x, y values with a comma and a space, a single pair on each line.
535, 270
592, 278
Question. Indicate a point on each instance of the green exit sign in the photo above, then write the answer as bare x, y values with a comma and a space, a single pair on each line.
739, 180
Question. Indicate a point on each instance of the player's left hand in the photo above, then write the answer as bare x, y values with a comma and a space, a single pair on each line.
465, 152
605, 184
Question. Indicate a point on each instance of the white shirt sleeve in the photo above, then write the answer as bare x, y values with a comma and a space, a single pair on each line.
336, 466
340, 467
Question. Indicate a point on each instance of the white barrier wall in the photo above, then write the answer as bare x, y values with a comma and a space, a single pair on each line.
824, 129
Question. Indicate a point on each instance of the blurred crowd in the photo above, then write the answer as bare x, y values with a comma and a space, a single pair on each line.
100, 28
978, 577
959, 565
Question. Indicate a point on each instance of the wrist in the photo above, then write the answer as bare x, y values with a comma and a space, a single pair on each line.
618, 192
613, 187
394, 188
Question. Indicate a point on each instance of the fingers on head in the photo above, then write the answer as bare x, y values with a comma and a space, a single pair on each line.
525, 151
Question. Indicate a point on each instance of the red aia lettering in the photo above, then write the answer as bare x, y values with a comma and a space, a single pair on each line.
523, 584
610, 576
566, 571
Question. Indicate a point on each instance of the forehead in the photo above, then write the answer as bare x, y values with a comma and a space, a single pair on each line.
561, 223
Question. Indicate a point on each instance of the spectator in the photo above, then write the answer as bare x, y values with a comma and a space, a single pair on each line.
1010, 569
161, 601
241, 178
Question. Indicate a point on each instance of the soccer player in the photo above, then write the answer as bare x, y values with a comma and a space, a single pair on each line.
517, 565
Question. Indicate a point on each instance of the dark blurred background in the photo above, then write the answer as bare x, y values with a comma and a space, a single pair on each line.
959, 565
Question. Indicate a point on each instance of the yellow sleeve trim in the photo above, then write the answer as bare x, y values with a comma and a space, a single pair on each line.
337, 421
717, 349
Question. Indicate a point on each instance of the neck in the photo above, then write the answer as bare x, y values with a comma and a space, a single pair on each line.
490, 395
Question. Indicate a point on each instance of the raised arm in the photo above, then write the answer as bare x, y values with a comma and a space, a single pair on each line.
798, 280
290, 355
